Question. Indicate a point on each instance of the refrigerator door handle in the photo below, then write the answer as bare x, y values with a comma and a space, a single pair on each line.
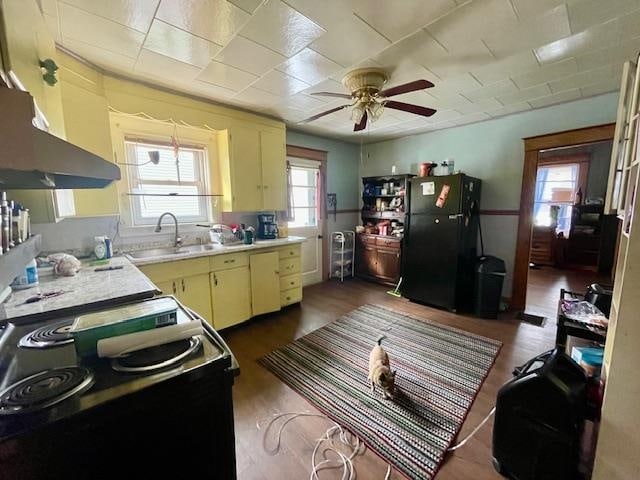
456, 215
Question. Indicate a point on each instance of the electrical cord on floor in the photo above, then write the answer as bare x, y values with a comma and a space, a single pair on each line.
473, 432
351, 446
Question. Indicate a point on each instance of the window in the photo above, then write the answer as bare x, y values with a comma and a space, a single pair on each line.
178, 187
303, 192
556, 189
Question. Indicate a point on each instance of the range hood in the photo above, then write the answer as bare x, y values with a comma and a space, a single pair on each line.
31, 158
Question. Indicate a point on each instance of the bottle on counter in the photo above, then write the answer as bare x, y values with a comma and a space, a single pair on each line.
28, 278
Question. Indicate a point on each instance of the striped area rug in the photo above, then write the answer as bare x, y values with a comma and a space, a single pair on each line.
439, 372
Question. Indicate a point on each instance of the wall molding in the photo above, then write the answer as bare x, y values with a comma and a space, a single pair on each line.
514, 213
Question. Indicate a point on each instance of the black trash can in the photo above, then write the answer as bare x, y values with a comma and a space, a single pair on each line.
489, 277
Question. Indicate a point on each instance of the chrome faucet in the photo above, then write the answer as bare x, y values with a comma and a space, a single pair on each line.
178, 239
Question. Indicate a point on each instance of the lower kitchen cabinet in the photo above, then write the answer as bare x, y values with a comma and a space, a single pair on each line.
265, 282
231, 296
379, 258
193, 291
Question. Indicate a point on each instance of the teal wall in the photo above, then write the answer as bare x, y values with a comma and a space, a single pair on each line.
342, 166
492, 151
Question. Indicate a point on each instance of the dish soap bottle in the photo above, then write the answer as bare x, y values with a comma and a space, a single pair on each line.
100, 249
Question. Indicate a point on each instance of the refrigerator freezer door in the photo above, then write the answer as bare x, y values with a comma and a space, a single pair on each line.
431, 259
436, 195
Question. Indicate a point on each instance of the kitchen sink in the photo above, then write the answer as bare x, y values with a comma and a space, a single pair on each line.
162, 252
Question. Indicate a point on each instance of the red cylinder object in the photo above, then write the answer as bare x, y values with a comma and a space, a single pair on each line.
424, 169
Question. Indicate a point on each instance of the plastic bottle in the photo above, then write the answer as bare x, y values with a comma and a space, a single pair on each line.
29, 277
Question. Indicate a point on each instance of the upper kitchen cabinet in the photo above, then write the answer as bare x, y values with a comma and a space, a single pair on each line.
253, 170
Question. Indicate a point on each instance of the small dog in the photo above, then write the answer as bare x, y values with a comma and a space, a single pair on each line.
379, 371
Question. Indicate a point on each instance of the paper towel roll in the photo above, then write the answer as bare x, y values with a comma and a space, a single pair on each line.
123, 344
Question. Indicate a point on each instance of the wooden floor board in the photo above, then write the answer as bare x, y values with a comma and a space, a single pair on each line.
258, 394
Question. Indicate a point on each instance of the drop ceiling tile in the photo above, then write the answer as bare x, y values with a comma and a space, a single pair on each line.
106, 59
579, 43
281, 28
419, 97
361, 41
226, 76
502, 87
309, 66
257, 97
525, 94
211, 91
600, 88
459, 60
131, 13
444, 116
603, 56
539, 31
480, 106
248, 6
552, 71
304, 102
528, 9
509, 109
215, 20
473, 21
396, 20
587, 13
501, 69
449, 102
49, 7
79, 25
280, 83
173, 42
460, 84
566, 96
582, 79
472, 118
163, 69
249, 56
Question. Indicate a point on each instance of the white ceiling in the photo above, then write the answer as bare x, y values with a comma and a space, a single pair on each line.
487, 58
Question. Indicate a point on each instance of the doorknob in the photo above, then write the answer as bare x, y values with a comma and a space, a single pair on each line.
320, 237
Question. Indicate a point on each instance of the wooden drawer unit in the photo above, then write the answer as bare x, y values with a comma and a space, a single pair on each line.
290, 281
289, 266
293, 295
388, 243
289, 252
229, 260
367, 239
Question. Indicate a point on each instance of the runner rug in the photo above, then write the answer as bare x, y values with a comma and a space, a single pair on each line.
439, 372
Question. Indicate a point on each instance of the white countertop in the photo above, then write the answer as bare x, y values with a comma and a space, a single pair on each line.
87, 288
218, 250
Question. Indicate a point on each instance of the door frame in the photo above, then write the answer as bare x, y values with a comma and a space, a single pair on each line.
532, 148
319, 156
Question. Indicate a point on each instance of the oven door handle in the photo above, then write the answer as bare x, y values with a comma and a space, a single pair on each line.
235, 366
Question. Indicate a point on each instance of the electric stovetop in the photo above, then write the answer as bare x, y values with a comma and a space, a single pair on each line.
43, 381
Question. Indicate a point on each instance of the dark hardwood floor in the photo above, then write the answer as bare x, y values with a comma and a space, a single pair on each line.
258, 394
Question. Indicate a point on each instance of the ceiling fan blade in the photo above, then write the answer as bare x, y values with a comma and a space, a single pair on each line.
408, 107
406, 88
363, 123
315, 117
331, 94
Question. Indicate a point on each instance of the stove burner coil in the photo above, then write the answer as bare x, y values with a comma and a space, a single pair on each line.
156, 358
44, 389
51, 335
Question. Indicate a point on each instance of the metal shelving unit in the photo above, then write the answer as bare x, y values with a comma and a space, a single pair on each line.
343, 246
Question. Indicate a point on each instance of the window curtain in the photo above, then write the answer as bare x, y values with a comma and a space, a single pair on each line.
564, 214
289, 214
541, 180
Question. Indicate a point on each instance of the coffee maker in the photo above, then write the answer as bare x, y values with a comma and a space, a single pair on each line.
267, 227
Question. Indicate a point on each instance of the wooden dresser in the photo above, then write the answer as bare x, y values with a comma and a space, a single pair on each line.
378, 258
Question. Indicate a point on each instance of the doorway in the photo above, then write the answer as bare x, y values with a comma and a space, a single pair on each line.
555, 178
306, 219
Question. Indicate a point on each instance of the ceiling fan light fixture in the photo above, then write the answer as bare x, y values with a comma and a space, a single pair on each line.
375, 110
357, 113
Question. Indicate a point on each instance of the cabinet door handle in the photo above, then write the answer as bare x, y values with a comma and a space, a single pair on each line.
265, 186
215, 280
174, 287
230, 261
259, 187
182, 284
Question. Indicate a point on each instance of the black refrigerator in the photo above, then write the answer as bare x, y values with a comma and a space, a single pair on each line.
440, 241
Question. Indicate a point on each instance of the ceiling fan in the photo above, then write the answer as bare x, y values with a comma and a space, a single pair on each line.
369, 100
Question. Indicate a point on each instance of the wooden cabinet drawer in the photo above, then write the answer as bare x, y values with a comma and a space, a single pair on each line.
367, 239
230, 260
289, 266
289, 252
290, 281
388, 243
293, 295
167, 271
